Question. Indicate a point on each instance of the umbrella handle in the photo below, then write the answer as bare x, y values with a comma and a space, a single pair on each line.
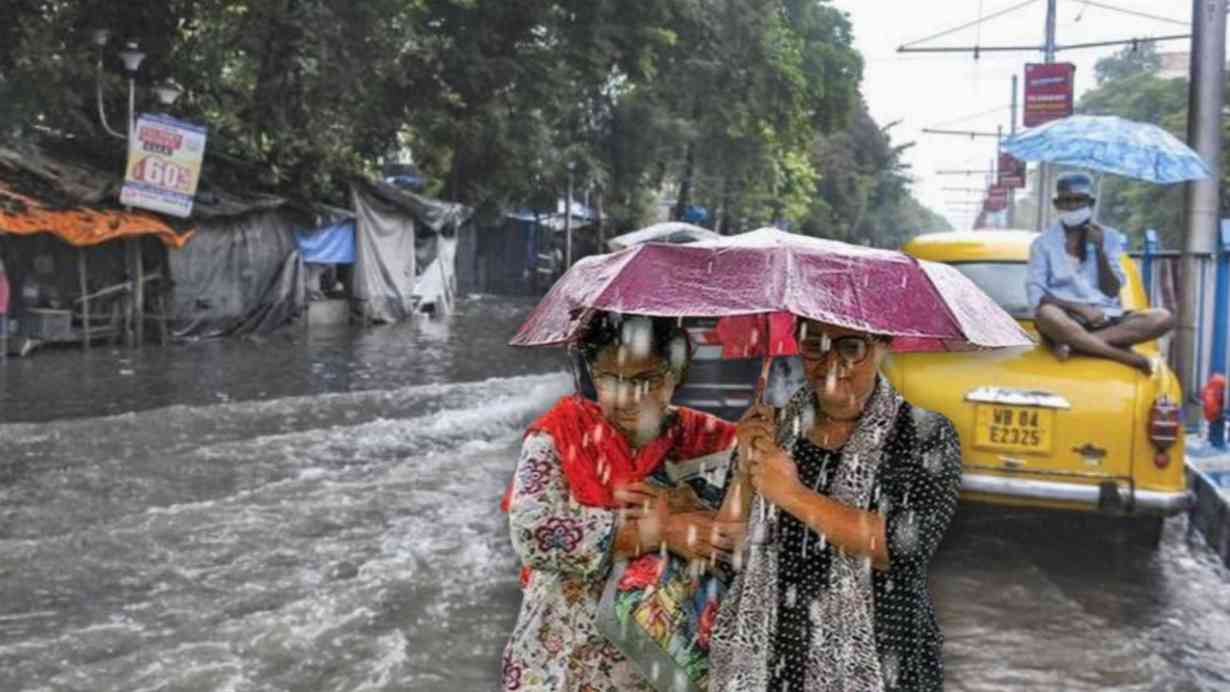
762, 382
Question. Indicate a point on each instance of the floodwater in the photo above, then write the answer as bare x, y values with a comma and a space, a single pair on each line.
320, 513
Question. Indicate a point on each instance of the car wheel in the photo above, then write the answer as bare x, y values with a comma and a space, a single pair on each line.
1145, 532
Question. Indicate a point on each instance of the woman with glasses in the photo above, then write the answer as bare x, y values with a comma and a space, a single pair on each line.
588, 490
856, 488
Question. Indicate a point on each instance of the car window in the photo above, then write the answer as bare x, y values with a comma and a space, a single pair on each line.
1004, 282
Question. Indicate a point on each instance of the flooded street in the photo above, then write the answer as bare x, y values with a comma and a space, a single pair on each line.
320, 513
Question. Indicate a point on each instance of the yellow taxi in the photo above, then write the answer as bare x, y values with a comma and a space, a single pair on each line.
1085, 434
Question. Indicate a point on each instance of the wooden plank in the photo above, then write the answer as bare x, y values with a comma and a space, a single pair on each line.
139, 298
85, 299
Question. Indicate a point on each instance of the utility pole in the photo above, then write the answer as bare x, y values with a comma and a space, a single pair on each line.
1205, 95
1011, 132
1044, 170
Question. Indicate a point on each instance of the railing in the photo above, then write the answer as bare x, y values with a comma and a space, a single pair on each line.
1160, 270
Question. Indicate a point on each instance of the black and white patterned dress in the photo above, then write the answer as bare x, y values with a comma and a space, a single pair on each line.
918, 481
802, 615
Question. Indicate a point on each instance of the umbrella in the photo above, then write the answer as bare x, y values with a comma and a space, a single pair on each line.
925, 306
1111, 144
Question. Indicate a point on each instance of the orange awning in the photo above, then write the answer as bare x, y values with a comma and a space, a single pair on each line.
81, 226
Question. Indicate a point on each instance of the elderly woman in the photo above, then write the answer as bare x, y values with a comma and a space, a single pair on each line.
856, 488
588, 489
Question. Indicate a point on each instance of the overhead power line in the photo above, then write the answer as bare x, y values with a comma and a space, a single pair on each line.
976, 22
964, 118
1137, 13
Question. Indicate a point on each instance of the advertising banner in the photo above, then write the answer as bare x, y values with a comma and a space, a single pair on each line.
164, 165
1048, 92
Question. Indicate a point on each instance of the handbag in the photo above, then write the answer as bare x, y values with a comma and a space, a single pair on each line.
658, 609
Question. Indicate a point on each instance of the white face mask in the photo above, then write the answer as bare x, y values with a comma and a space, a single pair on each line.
1076, 217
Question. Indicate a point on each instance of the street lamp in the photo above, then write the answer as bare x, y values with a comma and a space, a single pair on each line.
132, 57
167, 92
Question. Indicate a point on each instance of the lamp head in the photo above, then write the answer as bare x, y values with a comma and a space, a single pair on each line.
132, 57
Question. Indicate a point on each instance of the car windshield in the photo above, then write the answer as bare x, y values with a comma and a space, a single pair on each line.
1004, 282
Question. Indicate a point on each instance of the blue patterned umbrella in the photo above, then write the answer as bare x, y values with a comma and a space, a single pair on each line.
1112, 144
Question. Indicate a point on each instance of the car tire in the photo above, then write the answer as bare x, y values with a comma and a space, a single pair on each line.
1144, 532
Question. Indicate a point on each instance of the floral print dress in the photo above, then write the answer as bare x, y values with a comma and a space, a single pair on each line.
567, 546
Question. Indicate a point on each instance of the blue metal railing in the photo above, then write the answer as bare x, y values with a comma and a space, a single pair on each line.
1212, 349
1221, 305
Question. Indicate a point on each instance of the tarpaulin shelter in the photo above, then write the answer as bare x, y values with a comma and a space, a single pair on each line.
397, 231
61, 231
524, 253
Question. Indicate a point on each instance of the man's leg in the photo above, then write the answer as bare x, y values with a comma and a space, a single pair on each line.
1055, 323
1138, 327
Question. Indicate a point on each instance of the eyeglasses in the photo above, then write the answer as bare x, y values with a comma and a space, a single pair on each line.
645, 381
852, 349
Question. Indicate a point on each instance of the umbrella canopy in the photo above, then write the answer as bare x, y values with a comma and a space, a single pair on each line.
926, 306
667, 231
1111, 144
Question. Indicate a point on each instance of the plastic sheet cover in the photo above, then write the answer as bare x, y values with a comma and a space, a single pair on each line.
239, 275
333, 244
927, 306
384, 258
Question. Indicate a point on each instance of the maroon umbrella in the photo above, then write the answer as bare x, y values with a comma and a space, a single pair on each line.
925, 306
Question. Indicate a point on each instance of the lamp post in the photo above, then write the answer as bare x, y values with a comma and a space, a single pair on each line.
167, 93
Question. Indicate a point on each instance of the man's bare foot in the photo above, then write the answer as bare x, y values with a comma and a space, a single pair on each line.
1062, 352
1142, 363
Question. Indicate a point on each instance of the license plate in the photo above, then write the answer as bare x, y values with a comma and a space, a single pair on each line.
1014, 428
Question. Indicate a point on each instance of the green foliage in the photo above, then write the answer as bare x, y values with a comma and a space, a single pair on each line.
748, 107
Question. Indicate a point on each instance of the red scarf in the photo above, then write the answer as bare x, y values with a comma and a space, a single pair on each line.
596, 459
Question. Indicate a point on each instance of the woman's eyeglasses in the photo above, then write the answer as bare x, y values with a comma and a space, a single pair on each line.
852, 349
645, 381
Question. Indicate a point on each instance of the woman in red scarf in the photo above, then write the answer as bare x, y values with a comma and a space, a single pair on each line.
584, 494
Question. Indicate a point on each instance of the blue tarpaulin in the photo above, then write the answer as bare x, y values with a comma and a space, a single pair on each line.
328, 245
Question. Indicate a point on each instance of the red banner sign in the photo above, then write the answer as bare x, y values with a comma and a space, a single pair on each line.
997, 198
1011, 171
1048, 92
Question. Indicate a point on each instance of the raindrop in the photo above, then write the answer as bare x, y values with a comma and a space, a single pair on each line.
621, 356
830, 381
691, 535
890, 667
678, 354
794, 426
904, 278
803, 331
679, 321
655, 671
905, 535
825, 343
815, 613
755, 336
808, 415
598, 433
648, 421
637, 333
681, 680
